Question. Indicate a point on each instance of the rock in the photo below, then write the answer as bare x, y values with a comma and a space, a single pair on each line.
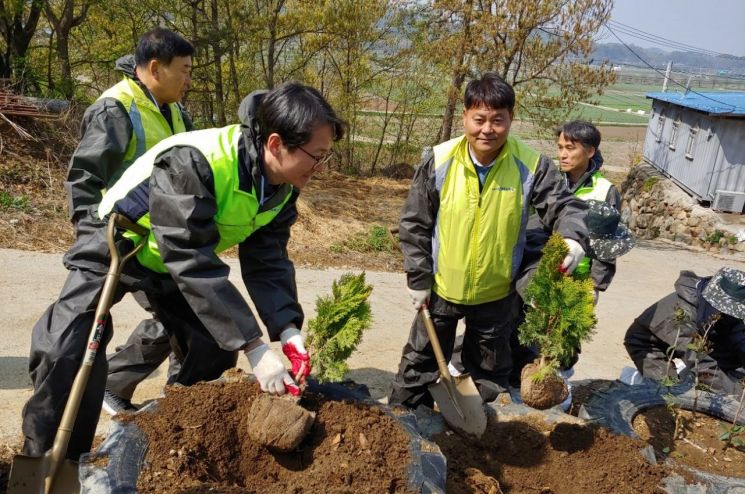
632, 222
278, 423
682, 238
694, 220
642, 221
681, 215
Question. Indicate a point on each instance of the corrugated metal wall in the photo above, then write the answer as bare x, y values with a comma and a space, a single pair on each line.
706, 153
730, 160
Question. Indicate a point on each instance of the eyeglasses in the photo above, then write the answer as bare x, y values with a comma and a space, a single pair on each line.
320, 161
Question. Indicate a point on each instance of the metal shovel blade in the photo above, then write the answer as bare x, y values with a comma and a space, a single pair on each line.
29, 475
461, 406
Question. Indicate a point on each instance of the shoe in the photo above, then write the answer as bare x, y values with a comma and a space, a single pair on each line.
453, 371
566, 374
630, 376
114, 405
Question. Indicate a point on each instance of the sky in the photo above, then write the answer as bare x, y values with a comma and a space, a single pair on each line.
717, 25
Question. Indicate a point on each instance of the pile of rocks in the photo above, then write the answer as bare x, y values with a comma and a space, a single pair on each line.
653, 206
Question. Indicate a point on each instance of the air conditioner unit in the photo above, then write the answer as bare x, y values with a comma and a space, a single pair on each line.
727, 200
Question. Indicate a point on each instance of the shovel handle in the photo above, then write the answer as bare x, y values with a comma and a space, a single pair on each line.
442, 364
62, 439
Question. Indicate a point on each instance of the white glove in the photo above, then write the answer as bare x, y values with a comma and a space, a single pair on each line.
269, 370
419, 297
575, 255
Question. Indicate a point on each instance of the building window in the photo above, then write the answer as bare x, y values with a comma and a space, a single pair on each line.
660, 125
674, 134
690, 145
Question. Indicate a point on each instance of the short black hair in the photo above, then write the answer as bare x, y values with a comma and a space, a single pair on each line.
163, 45
580, 131
490, 91
294, 111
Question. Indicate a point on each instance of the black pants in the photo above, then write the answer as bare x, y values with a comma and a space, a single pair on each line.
486, 349
148, 346
59, 339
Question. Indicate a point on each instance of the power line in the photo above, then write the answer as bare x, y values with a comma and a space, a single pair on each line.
734, 108
638, 33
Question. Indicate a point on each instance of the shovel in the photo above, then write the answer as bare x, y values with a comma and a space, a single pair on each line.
456, 396
53, 473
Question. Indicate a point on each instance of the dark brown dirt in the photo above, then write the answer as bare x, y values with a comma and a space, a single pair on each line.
530, 456
697, 445
199, 443
6, 459
543, 394
582, 393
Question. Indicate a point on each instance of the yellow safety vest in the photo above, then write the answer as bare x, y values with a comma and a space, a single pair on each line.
238, 214
478, 240
149, 126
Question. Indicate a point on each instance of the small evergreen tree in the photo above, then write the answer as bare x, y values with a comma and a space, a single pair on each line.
561, 312
337, 328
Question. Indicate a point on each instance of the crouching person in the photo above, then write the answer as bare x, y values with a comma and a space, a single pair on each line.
710, 306
198, 194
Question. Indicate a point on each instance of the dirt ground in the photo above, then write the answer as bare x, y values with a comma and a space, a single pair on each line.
697, 444
199, 444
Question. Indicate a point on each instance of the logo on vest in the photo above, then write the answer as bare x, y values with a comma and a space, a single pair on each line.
503, 189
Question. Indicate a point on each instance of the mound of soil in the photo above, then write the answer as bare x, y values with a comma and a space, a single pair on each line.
531, 456
697, 444
198, 442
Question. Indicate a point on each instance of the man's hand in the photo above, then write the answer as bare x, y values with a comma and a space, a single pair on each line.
419, 297
294, 350
572, 259
270, 371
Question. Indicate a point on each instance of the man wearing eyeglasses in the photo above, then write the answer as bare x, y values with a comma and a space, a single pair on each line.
198, 194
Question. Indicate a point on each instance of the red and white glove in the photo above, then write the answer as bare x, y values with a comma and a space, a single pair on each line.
294, 350
270, 371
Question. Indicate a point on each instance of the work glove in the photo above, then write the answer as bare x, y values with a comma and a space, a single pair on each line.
419, 297
572, 259
294, 350
270, 371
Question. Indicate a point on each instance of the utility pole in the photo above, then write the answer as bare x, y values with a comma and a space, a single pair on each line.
667, 75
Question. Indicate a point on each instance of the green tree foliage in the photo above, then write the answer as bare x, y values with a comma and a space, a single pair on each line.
391, 68
337, 329
561, 314
541, 47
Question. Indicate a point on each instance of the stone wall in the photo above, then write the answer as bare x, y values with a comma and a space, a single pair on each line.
655, 207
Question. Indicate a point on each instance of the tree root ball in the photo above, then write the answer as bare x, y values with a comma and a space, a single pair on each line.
543, 394
278, 423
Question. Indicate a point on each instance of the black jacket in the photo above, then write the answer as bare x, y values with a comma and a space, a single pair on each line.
105, 132
180, 197
601, 272
548, 196
680, 316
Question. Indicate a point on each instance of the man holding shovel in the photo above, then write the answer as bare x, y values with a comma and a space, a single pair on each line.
124, 122
197, 194
462, 232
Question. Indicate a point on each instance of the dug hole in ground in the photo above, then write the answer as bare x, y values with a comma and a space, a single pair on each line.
520, 456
